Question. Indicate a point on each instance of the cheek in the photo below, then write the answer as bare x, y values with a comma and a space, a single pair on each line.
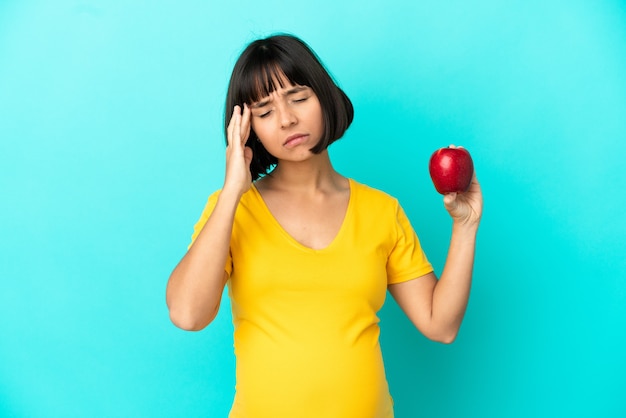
319, 119
318, 115
261, 130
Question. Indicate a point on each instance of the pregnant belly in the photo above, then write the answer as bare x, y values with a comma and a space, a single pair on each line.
313, 381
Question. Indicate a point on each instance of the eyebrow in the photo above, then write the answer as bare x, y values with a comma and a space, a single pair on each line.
289, 92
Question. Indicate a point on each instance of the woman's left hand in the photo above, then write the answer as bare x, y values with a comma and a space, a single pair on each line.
465, 208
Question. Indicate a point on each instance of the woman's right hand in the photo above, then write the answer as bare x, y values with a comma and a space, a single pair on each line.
238, 156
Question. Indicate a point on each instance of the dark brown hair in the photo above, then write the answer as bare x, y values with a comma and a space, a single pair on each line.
261, 65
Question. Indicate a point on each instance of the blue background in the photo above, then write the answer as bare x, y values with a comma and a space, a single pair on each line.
111, 140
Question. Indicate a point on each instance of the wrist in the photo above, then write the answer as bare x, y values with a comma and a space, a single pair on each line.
464, 228
234, 189
231, 194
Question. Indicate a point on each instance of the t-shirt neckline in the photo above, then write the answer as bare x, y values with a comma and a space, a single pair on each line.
297, 243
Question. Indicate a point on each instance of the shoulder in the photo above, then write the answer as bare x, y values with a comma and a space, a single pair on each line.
372, 195
247, 196
248, 199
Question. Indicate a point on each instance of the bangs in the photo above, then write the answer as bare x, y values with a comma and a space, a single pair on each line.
264, 77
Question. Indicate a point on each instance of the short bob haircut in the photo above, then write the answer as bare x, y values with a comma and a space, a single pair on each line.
261, 66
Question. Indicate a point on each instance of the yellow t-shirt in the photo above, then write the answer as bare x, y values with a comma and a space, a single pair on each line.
306, 324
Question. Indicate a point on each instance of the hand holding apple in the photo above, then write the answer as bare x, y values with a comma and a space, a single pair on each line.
451, 170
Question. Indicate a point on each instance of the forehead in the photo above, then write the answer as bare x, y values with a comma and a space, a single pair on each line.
266, 79
278, 83
287, 91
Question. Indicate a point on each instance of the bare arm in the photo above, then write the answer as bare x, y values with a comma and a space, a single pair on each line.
437, 307
195, 287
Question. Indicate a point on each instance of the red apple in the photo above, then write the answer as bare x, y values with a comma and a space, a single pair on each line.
451, 170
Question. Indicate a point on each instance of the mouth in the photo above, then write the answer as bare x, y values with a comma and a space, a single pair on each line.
295, 139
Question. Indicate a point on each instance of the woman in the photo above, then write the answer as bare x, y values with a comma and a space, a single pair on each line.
308, 254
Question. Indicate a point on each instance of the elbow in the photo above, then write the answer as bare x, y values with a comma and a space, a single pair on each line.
185, 324
444, 337
187, 315
187, 321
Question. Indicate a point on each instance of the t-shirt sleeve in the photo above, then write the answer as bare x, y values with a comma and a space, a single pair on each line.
407, 259
206, 213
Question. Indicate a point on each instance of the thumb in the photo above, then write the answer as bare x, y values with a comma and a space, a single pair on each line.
449, 201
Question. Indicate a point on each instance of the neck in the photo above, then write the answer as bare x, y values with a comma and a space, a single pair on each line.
313, 174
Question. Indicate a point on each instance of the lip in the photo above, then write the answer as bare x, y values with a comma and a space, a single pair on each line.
295, 139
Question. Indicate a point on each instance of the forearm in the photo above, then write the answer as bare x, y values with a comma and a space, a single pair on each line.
451, 293
196, 285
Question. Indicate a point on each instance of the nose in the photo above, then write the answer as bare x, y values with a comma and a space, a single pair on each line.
287, 117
